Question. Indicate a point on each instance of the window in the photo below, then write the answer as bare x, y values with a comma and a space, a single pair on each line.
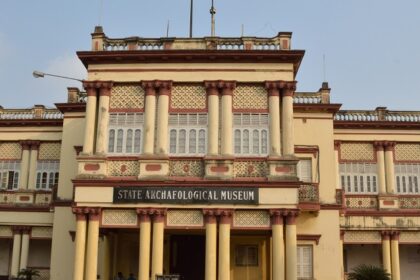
407, 177
304, 262
250, 134
359, 177
304, 170
9, 174
246, 255
125, 133
187, 134
47, 174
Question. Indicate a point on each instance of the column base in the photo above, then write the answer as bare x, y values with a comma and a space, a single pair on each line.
218, 167
282, 168
153, 168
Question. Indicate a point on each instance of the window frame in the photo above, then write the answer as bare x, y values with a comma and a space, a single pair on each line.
8, 167
352, 181
300, 265
119, 128
245, 125
407, 176
51, 170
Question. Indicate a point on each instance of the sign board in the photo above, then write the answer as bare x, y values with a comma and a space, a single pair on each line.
186, 195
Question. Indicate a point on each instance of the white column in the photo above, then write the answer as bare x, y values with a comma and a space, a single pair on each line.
389, 167
287, 118
291, 246
274, 112
163, 117
92, 244
395, 256
157, 246
103, 117
386, 251
24, 165
211, 245
224, 245
380, 162
32, 165
25, 248
90, 117
277, 245
227, 118
213, 118
79, 244
337, 164
17, 240
144, 244
149, 117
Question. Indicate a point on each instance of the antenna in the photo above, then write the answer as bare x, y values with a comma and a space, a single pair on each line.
324, 68
167, 29
191, 18
101, 5
213, 21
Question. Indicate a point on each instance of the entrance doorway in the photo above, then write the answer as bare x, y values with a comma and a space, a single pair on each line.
187, 255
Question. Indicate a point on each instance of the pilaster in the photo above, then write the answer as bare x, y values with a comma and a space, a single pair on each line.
211, 244
80, 244
278, 266
225, 220
144, 243
103, 117
287, 118
158, 216
92, 243
32, 164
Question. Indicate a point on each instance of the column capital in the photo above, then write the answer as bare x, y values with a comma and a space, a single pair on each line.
163, 87
209, 216
389, 145
149, 87
276, 216
93, 212
395, 235
273, 87
337, 145
26, 229
378, 145
225, 216
227, 87
105, 88
35, 144
291, 216
143, 214
212, 87
289, 88
158, 214
25, 144
385, 234
80, 213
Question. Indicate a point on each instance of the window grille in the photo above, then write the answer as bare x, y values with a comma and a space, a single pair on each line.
304, 170
359, 177
47, 174
125, 133
187, 134
407, 177
304, 262
250, 134
9, 174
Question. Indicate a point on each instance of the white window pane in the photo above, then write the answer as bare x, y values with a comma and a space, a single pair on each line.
192, 143
264, 142
129, 141
182, 141
245, 142
120, 135
304, 170
137, 141
111, 141
172, 141
255, 142
202, 141
237, 141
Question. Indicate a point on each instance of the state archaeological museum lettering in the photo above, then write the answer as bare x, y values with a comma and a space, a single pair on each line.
193, 195
198, 158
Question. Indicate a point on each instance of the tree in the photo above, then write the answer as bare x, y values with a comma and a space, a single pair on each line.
368, 272
28, 274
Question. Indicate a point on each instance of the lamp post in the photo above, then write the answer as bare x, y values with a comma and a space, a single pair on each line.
39, 74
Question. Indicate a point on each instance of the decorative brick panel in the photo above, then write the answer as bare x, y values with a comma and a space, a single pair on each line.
49, 151
41, 232
10, 151
252, 218
361, 237
250, 168
127, 97
188, 97
123, 168
357, 152
250, 97
407, 152
6, 198
43, 198
410, 237
187, 168
409, 202
6, 231
361, 202
119, 218
184, 218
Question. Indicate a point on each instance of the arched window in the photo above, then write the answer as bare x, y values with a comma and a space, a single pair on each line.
172, 141
120, 137
182, 141
137, 141
245, 142
201, 141
192, 142
264, 142
237, 141
111, 141
255, 142
129, 141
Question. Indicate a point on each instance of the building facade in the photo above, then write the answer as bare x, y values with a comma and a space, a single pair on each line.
197, 157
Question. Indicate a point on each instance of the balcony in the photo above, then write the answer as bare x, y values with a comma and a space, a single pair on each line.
25, 198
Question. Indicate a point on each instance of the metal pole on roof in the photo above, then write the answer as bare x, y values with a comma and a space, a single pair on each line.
191, 18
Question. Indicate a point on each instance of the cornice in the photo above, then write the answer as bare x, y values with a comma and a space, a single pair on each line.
376, 125
70, 107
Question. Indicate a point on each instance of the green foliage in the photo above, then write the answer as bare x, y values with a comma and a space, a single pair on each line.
28, 274
369, 272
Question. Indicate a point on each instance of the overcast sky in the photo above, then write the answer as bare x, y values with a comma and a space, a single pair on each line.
372, 47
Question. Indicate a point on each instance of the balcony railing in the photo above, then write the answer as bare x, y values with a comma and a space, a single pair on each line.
37, 112
309, 193
25, 198
379, 114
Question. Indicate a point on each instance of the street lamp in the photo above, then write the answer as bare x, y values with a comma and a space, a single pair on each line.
39, 74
